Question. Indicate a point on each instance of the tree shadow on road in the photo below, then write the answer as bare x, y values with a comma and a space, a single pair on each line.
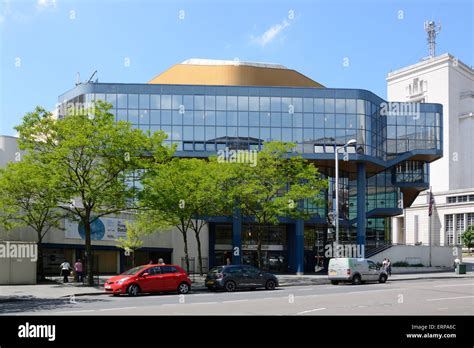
30, 304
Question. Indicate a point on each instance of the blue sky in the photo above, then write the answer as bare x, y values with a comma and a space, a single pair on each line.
44, 43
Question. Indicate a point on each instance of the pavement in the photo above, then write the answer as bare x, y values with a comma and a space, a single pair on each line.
415, 297
56, 289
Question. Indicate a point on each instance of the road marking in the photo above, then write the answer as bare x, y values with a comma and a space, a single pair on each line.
448, 298
82, 311
305, 289
234, 301
115, 309
200, 303
366, 291
456, 285
312, 310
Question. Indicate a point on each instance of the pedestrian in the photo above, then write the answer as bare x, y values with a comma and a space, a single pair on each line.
161, 261
384, 264
389, 267
65, 271
79, 270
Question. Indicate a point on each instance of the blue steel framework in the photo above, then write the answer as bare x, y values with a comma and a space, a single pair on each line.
385, 171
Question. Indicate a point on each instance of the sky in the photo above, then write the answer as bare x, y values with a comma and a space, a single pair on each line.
340, 44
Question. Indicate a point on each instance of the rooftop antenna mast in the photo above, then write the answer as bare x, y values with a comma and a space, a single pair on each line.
432, 30
95, 72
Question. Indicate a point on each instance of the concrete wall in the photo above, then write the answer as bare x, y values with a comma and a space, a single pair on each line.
170, 238
440, 256
17, 271
9, 151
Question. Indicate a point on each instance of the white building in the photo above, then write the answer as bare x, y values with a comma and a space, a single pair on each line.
446, 80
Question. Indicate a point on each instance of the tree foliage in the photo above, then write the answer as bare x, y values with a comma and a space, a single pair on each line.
276, 187
95, 159
28, 191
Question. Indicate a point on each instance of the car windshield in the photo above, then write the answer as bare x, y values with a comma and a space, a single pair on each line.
134, 270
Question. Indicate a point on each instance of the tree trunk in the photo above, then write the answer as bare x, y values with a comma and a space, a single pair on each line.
90, 276
198, 240
185, 241
39, 263
259, 247
133, 259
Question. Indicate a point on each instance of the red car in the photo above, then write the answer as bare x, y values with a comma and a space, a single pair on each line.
149, 278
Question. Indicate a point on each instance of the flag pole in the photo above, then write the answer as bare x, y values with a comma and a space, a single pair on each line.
429, 221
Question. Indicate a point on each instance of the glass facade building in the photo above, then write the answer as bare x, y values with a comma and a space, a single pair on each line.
385, 170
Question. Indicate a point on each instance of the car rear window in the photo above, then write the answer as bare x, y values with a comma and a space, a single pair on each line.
234, 269
216, 270
168, 269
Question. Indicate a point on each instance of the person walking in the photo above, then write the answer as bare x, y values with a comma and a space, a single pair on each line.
384, 264
389, 267
65, 271
78, 267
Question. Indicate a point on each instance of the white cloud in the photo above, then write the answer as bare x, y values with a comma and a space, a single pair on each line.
44, 4
270, 34
6, 11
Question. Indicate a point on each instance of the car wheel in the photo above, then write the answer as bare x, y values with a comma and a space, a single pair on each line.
356, 280
133, 290
334, 282
183, 288
382, 278
270, 284
229, 286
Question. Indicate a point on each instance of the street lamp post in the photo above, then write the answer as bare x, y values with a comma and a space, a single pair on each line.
336, 159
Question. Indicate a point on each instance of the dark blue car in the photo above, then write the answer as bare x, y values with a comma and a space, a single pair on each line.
234, 277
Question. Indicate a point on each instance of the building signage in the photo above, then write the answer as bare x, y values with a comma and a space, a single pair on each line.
101, 229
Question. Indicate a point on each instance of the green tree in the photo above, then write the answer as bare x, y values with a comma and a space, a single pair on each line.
208, 197
95, 159
133, 242
28, 191
182, 193
468, 238
275, 187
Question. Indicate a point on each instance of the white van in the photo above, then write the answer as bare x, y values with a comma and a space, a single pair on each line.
357, 271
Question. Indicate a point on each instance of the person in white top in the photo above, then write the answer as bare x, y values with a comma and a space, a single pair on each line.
384, 263
65, 271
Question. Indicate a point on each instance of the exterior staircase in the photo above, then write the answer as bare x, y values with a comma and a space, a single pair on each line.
378, 249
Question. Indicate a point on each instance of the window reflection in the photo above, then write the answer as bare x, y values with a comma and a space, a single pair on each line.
144, 101
166, 101
304, 120
133, 116
122, 101
154, 101
133, 101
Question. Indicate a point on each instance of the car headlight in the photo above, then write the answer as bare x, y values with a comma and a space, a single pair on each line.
121, 281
